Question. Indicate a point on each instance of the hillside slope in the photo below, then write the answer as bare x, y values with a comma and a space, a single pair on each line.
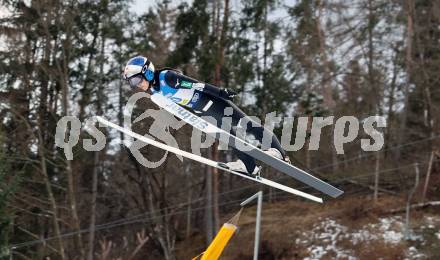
346, 228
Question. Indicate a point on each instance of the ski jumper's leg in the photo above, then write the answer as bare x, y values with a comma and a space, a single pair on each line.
255, 130
216, 107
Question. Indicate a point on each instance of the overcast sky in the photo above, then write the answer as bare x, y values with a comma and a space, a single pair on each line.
141, 6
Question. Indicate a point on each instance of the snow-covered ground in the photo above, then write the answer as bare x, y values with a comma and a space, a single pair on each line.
329, 238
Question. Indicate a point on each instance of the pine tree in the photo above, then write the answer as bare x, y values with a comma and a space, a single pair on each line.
270, 85
9, 182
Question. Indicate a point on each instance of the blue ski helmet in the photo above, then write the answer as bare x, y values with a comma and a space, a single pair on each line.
138, 68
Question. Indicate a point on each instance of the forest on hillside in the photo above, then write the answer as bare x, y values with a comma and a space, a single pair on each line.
295, 57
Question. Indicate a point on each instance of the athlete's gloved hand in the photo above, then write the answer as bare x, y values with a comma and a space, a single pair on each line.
228, 94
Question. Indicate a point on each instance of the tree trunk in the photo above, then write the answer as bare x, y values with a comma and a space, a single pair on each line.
376, 176
52, 202
73, 206
93, 206
408, 70
64, 72
160, 227
208, 206
428, 176
215, 188
326, 80
217, 82
189, 199
371, 76
391, 102
90, 254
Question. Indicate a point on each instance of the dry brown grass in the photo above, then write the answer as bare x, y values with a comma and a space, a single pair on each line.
379, 250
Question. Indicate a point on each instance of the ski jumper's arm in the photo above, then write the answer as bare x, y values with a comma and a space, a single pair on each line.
177, 80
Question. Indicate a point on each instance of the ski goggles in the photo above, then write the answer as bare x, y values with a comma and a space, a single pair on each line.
134, 81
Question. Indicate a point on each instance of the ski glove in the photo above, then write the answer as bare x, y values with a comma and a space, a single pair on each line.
223, 93
227, 93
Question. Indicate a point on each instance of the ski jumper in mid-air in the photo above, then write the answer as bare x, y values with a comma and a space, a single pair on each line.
205, 100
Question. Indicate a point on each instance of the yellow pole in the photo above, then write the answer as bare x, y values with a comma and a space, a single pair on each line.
222, 238
219, 243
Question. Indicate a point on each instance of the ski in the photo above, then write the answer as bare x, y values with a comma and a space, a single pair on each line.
253, 151
218, 165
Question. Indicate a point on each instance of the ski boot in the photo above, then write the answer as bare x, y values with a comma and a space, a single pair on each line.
276, 153
238, 166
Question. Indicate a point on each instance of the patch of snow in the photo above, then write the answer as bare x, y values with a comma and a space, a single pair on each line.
328, 232
430, 220
413, 253
360, 236
392, 229
392, 237
327, 237
316, 252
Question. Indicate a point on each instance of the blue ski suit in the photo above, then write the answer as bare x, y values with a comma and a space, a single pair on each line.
207, 100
